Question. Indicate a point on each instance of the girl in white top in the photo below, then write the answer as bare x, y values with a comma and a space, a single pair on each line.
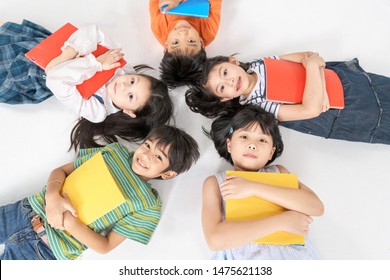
250, 140
127, 92
126, 106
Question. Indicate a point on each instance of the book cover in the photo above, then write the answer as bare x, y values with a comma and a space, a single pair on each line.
192, 8
285, 82
50, 48
92, 189
253, 208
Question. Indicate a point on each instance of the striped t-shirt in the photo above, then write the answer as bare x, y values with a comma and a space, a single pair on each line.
136, 218
258, 94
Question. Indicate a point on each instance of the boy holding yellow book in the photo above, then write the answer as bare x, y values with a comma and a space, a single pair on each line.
46, 225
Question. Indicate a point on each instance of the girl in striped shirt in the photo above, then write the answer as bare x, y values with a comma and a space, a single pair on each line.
227, 84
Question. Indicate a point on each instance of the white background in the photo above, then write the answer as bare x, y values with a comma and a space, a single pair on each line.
352, 179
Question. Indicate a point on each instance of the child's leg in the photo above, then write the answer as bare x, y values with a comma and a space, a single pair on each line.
16, 232
21, 81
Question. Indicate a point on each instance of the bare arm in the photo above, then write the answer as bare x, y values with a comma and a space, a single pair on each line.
222, 235
302, 200
67, 54
314, 92
56, 205
95, 241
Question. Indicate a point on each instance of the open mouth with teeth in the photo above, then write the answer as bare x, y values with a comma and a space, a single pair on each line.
141, 164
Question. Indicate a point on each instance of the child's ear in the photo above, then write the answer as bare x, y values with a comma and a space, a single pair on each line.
233, 60
130, 113
272, 152
228, 145
169, 175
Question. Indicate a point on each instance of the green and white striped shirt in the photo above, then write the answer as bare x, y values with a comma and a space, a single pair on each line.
136, 219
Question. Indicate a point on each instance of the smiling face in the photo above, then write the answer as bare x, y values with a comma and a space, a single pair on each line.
228, 80
250, 148
151, 161
183, 39
129, 92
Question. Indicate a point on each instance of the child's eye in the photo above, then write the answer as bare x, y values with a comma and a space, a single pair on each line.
159, 157
147, 145
131, 96
191, 41
132, 81
222, 88
225, 73
263, 141
243, 137
175, 42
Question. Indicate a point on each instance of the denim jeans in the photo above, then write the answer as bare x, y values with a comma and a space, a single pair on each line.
366, 116
16, 232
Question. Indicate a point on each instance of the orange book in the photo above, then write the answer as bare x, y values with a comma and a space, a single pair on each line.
285, 82
50, 48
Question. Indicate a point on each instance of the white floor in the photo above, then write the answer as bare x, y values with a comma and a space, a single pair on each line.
352, 179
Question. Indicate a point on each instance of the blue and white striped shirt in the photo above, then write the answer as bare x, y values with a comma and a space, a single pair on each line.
258, 94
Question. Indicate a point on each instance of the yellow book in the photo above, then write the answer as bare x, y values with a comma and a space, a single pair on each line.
92, 189
253, 208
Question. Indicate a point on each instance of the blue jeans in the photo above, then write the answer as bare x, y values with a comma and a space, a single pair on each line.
16, 232
366, 116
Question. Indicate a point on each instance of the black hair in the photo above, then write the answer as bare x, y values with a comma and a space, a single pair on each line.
157, 110
183, 150
224, 126
201, 100
178, 69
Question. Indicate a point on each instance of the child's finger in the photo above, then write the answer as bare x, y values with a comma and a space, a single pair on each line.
229, 177
116, 64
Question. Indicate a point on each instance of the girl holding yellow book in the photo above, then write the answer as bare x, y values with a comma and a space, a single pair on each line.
250, 141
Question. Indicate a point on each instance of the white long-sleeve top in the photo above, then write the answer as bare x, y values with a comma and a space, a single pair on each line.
63, 78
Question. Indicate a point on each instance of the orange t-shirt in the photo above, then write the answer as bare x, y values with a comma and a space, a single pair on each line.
207, 28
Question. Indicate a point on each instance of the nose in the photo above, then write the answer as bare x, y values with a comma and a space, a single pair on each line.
251, 147
229, 81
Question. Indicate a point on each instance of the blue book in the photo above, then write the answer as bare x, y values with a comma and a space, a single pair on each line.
191, 8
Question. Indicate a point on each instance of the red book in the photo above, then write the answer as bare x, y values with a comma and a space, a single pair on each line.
285, 82
50, 48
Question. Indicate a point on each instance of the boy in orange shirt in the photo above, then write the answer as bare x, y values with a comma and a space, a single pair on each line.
184, 39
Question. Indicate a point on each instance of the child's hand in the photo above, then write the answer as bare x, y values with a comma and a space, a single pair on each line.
313, 59
68, 53
55, 209
170, 4
109, 60
296, 222
69, 220
236, 187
